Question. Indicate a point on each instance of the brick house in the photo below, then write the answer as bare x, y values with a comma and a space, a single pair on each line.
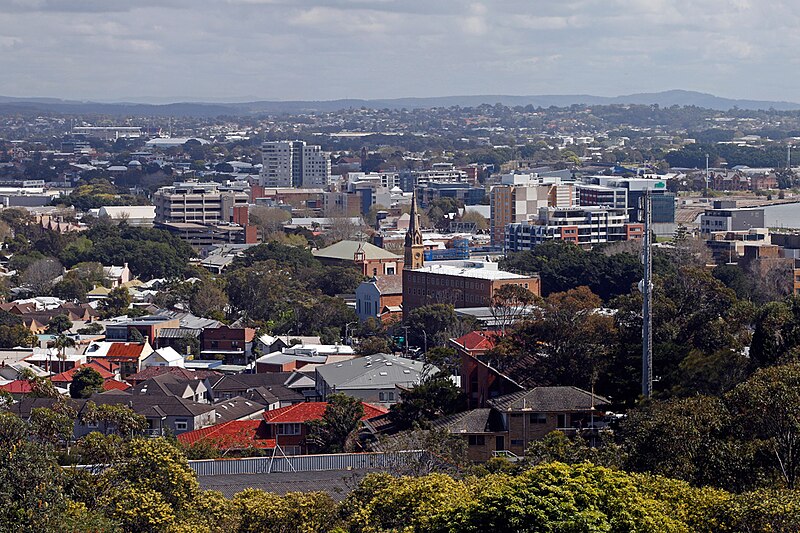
234, 344
511, 422
480, 381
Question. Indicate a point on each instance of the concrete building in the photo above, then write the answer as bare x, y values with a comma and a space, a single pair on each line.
294, 164
584, 226
519, 196
726, 216
195, 202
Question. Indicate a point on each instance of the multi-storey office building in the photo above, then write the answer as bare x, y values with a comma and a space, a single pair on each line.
204, 203
294, 164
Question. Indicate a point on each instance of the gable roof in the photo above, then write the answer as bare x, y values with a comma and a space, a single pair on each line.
477, 340
176, 371
483, 420
549, 399
307, 411
389, 285
66, 377
125, 350
18, 386
346, 250
232, 435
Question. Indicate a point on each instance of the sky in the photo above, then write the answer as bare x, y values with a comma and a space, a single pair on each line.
217, 50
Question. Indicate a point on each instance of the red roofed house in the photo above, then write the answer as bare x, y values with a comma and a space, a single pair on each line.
128, 355
63, 379
17, 387
287, 425
235, 435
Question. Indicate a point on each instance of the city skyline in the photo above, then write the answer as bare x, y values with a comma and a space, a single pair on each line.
269, 49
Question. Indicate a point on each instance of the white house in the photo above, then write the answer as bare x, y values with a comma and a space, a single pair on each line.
166, 356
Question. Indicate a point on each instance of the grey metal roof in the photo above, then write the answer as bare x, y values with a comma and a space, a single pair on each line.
178, 333
549, 399
374, 371
238, 408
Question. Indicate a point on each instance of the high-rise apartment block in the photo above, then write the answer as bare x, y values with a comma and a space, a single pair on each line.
294, 164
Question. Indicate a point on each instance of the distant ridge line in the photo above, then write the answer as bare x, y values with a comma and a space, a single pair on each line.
206, 109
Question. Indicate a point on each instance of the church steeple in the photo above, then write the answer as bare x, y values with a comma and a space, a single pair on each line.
414, 247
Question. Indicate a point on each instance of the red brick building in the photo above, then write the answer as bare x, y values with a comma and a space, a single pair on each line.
235, 345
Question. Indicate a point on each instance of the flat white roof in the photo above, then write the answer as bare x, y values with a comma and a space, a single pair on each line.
469, 272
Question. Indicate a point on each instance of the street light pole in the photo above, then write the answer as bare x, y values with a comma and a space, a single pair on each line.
347, 334
425, 335
406, 338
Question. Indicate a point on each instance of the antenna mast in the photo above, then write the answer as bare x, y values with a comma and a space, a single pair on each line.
647, 297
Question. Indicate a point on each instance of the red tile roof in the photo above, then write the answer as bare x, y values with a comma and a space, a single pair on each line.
478, 340
19, 386
66, 377
113, 384
236, 434
304, 412
125, 350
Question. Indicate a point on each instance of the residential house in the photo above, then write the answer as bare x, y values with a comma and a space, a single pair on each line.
181, 373
148, 327
110, 381
234, 345
239, 408
117, 275
234, 435
269, 389
196, 390
289, 425
165, 415
512, 422
375, 378
269, 344
128, 355
480, 381
163, 357
300, 356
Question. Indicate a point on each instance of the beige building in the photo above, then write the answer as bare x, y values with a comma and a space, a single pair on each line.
195, 202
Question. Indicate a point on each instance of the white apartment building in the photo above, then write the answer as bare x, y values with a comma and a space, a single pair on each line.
584, 226
294, 164
204, 203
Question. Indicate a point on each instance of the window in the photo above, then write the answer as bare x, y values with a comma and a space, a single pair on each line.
517, 442
476, 440
289, 429
215, 344
390, 395
181, 425
538, 418
91, 424
382, 396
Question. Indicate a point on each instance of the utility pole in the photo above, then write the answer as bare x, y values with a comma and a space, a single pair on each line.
789, 156
647, 297
707, 176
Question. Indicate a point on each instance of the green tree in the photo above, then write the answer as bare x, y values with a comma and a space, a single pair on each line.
209, 300
118, 418
59, 324
337, 426
53, 425
768, 406
434, 397
85, 382
116, 303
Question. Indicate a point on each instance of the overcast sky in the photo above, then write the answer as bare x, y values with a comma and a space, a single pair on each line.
315, 49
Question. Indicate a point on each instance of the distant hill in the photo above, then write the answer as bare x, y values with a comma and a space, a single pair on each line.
204, 109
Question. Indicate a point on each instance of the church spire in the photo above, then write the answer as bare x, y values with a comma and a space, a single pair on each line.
414, 247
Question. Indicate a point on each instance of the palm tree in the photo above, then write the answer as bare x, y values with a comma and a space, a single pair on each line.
60, 343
